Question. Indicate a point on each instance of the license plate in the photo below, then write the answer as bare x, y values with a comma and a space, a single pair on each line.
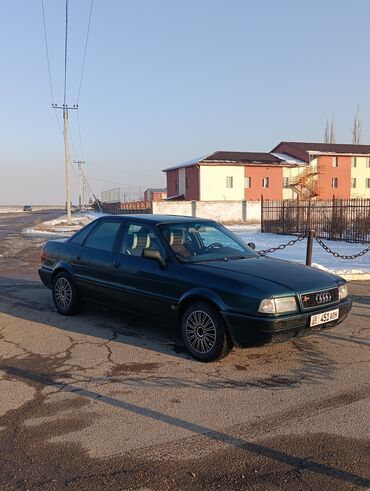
329, 316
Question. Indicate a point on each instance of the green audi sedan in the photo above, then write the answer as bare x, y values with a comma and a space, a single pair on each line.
193, 273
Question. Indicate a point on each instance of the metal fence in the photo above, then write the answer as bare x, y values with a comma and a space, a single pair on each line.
130, 207
335, 219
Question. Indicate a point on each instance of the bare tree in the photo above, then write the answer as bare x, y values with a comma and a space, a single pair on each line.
327, 132
332, 131
357, 127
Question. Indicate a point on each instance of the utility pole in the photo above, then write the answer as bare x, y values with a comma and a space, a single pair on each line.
66, 108
81, 202
91, 191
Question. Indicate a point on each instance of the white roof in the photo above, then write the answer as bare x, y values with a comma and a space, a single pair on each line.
288, 158
188, 163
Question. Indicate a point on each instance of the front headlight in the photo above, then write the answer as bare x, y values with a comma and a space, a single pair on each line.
278, 305
343, 291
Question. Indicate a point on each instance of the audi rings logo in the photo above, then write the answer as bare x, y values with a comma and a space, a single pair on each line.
323, 297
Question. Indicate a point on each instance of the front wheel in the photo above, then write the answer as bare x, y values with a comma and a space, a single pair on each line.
65, 294
203, 332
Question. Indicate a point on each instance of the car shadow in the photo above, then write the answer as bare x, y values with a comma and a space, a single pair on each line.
31, 301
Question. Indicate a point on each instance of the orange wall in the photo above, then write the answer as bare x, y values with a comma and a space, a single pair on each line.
275, 175
327, 172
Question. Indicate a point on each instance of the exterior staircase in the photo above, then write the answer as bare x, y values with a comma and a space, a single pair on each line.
305, 185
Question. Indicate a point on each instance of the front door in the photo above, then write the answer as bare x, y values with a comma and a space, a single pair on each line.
146, 287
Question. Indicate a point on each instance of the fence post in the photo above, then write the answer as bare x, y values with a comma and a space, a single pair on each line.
310, 237
262, 227
244, 211
193, 208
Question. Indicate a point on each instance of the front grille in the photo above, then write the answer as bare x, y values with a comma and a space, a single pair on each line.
320, 298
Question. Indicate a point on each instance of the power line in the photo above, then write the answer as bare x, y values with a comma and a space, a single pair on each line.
116, 183
85, 51
47, 51
65, 55
79, 134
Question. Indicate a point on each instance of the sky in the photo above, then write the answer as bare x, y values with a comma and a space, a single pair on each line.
168, 80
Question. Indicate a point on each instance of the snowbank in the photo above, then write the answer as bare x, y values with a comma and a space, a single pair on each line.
60, 227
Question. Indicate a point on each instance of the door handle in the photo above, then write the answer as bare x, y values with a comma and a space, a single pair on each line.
116, 264
78, 258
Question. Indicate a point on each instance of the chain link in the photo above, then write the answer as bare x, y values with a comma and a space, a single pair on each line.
342, 256
281, 246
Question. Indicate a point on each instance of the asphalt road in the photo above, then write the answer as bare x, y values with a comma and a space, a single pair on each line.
106, 400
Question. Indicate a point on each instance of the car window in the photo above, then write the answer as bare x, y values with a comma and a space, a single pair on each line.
104, 236
139, 237
204, 241
80, 236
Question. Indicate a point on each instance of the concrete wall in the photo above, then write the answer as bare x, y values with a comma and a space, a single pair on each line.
222, 211
256, 174
192, 183
361, 173
213, 183
173, 182
327, 172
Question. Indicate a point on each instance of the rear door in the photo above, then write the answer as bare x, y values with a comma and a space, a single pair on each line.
93, 261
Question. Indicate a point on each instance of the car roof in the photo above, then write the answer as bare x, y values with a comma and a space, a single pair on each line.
157, 219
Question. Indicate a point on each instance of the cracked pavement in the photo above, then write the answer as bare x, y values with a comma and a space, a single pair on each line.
108, 400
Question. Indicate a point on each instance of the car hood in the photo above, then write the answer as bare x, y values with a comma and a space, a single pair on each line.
286, 274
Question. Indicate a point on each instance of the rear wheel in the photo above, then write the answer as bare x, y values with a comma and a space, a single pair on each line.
203, 332
65, 294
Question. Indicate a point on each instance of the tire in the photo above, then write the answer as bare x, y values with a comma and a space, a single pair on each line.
203, 332
65, 294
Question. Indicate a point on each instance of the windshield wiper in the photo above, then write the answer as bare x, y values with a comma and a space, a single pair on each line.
238, 257
226, 258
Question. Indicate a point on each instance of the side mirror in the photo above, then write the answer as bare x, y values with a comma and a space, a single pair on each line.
252, 245
154, 254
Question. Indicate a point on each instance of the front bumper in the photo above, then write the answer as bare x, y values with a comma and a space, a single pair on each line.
247, 330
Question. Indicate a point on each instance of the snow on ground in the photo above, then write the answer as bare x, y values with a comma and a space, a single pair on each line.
11, 209
60, 227
19, 208
297, 252
248, 233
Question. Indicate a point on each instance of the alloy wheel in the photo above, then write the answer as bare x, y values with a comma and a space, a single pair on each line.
63, 293
201, 331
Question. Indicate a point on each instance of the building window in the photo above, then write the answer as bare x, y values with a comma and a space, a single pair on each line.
334, 182
265, 182
334, 161
312, 157
285, 182
368, 183
368, 162
229, 181
353, 182
248, 182
354, 162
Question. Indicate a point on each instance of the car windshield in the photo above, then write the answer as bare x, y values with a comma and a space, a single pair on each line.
204, 241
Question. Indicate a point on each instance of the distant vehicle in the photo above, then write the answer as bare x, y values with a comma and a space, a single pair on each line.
27, 208
196, 273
